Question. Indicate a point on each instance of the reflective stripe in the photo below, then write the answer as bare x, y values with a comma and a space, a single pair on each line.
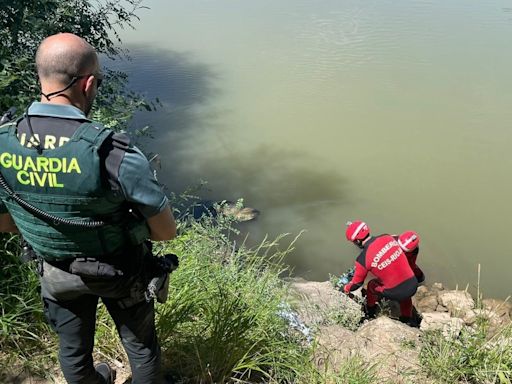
356, 232
407, 242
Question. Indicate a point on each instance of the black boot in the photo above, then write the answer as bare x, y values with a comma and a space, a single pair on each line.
108, 374
370, 312
411, 322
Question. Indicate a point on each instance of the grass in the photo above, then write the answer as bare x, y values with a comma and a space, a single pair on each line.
25, 339
472, 357
222, 322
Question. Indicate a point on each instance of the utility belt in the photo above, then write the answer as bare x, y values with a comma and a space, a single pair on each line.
152, 271
88, 267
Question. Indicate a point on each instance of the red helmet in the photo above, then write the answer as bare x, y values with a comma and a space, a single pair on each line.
357, 230
409, 241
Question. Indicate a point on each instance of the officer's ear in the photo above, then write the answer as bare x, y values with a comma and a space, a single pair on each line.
88, 85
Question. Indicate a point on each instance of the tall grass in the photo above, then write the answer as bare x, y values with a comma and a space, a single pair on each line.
221, 322
472, 357
23, 332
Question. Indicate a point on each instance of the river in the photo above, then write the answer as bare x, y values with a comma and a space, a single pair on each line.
318, 112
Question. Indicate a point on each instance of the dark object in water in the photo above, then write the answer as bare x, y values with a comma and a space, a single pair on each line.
212, 208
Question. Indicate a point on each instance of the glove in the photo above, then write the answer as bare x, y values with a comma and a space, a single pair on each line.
347, 287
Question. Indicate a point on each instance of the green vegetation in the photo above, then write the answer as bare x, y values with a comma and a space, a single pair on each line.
222, 322
25, 23
472, 357
23, 331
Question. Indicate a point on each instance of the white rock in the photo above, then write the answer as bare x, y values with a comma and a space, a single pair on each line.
450, 326
457, 302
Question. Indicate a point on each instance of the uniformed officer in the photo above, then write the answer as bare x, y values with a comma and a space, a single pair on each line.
85, 200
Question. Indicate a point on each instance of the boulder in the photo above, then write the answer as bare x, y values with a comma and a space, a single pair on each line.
335, 344
320, 303
427, 303
386, 335
437, 287
392, 342
393, 345
450, 326
421, 293
457, 302
502, 308
441, 308
472, 316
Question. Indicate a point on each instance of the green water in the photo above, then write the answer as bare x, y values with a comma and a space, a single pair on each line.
317, 112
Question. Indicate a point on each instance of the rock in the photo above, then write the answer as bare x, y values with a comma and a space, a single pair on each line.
472, 316
502, 308
450, 326
422, 292
394, 341
457, 302
393, 345
335, 343
384, 333
441, 308
320, 303
436, 287
427, 304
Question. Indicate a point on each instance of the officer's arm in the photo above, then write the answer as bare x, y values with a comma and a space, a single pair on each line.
7, 223
162, 226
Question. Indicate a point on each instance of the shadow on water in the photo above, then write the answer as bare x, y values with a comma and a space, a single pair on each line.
289, 187
176, 78
188, 135
273, 175
180, 84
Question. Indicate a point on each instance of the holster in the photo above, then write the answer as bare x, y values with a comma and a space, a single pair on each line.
153, 282
158, 285
91, 267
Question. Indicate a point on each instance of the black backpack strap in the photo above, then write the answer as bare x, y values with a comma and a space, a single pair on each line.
120, 144
113, 146
10, 126
8, 116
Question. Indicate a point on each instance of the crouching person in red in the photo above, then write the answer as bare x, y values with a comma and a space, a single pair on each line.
409, 241
383, 257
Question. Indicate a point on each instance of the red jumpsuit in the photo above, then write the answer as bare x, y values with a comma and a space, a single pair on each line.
411, 257
395, 280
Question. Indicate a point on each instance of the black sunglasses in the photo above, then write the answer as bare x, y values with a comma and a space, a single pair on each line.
98, 76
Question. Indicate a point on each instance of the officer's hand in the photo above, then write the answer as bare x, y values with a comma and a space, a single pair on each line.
346, 288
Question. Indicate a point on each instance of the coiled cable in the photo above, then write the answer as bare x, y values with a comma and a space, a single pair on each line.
45, 215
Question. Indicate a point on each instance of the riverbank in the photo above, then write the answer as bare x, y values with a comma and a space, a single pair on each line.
227, 297
460, 339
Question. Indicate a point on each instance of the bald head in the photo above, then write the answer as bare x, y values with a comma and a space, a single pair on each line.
62, 56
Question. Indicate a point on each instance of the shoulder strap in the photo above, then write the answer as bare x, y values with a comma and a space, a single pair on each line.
120, 144
10, 126
93, 132
8, 116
